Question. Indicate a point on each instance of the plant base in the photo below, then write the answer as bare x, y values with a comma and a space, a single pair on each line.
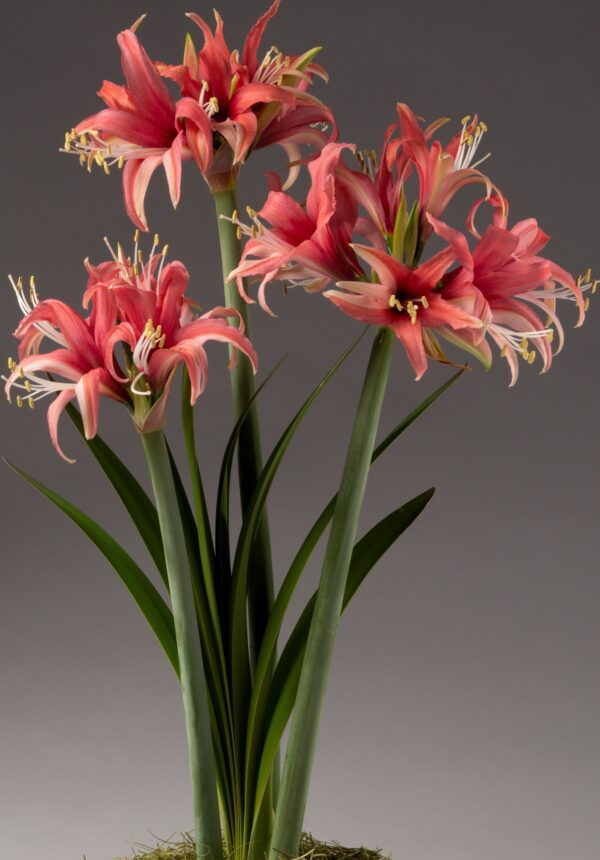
183, 848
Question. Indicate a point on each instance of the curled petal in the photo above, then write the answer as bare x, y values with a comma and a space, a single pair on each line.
136, 176
55, 410
87, 391
172, 164
198, 131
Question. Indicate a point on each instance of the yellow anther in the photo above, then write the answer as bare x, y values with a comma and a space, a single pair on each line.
30, 403
83, 140
161, 342
234, 215
524, 344
588, 276
165, 250
503, 351
82, 159
586, 304
68, 142
550, 336
108, 149
120, 162
214, 104
412, 310
465, 120
424, 302
19, 401
251, 212
21, 373
156, 239
594, 287
106, 168
28, 386
483, 126
531, 356
261, 228
238, 233
136, 269
136, 236
253, 231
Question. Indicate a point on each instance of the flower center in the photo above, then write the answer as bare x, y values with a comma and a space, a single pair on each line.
411, 306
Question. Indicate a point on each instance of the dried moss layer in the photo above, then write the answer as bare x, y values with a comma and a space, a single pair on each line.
182, 848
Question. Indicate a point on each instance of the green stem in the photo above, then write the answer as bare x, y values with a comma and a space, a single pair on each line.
260, 587
321, 638
193, 680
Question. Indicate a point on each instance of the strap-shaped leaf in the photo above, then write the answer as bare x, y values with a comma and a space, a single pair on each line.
222, 543
130, 491
262, 675
366, 554
147, 597
212, 645
240, 667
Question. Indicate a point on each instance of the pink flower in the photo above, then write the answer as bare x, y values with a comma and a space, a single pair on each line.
78, 360
142, 305
227, 107
380, 186
409, 301
250, 104
141, 129
515, 290
308, 246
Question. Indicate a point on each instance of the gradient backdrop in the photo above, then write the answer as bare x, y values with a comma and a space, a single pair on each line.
463, 716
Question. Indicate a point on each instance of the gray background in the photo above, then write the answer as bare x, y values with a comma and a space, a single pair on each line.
463, 715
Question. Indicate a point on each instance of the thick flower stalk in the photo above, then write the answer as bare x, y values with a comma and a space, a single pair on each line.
228, 104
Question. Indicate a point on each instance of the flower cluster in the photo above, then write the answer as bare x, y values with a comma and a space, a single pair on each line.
139, 327
228, 104
357, 240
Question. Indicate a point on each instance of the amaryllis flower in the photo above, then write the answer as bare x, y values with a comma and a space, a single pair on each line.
515, 290
76, 366
227, 107
140, 129
140, 305
305, 246
379, 187
250, 103
409, 301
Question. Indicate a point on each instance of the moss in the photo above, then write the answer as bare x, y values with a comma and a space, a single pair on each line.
182, 848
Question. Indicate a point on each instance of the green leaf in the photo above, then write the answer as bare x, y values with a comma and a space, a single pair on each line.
366, 554
150, 602
132, 494
240, 668
224, 487
262, 675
